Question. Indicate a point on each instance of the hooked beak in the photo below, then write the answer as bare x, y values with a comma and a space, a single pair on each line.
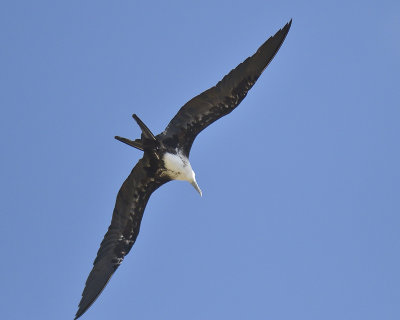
196, 186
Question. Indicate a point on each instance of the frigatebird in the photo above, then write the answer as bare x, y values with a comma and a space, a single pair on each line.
166, 158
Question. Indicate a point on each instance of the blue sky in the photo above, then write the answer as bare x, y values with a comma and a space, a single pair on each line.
299, 217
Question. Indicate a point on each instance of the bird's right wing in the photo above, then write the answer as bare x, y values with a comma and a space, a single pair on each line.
121, 235
221, 99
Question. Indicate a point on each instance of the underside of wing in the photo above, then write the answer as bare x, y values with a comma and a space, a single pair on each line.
123, 231
221, 99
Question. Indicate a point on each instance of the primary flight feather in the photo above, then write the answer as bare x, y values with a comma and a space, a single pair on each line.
166, 158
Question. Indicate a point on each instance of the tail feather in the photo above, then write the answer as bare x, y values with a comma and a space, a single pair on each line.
136, 144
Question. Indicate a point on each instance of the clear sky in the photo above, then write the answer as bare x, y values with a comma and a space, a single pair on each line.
300, 214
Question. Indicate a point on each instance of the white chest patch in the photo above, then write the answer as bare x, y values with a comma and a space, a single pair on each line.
178, 167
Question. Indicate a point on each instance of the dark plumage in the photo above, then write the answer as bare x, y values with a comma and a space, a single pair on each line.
163, 154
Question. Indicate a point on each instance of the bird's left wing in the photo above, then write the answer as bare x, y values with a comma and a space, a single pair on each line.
221, 99
121, 235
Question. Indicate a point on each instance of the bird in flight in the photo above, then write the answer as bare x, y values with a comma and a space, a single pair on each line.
166, 158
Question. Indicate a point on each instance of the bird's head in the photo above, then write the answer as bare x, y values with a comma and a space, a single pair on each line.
178, 167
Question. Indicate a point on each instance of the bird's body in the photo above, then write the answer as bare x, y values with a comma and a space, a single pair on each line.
166, 158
